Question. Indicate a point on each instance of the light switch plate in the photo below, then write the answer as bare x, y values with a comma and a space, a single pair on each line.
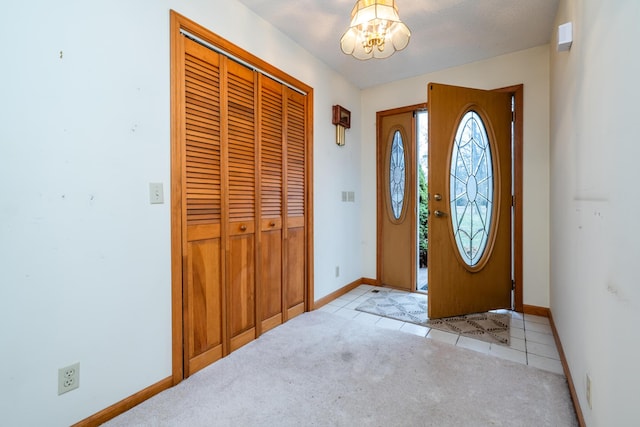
156, 195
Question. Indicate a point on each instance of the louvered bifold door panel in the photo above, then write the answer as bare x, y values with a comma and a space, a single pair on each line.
201, 183
241, 149
295, 122
271, 170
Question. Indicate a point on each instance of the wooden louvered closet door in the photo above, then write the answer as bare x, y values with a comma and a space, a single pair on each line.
239, 163
271, 194
295, 231
204, 313
241, 159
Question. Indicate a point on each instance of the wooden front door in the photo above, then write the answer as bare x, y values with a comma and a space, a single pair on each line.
396, 199
469, 200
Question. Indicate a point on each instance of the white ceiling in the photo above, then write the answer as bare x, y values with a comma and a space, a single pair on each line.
444, 33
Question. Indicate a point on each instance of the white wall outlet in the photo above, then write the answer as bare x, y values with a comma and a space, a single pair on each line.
588, 391
337, 271
68, 378
156, 195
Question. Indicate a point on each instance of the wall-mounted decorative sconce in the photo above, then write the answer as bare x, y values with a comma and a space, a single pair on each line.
342, 120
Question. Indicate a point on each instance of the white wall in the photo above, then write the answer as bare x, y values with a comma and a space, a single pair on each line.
84, 127
84, 257
595, 292
529, 67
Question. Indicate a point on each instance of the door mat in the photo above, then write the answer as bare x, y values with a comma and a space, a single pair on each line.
489, 326
397, 305
409, 307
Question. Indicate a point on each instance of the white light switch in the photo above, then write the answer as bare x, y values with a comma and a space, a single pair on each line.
351, 196
156, 193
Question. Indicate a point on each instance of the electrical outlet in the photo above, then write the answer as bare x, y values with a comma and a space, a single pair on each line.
337, 271
589, 391
68, 378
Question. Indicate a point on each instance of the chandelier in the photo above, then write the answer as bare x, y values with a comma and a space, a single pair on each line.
376, 30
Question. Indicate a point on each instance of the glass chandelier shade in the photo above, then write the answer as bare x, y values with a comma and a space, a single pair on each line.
376, 30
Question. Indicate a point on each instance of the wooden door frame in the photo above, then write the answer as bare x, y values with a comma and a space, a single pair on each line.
178, 235
517, 91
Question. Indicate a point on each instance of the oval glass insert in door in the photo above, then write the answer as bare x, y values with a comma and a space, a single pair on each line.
397, 175
471, 188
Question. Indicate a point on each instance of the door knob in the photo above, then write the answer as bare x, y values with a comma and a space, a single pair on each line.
243, 227
437, 197
439, 214
272, 224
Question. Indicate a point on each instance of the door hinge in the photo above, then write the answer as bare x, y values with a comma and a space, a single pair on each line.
513, 200
513, 285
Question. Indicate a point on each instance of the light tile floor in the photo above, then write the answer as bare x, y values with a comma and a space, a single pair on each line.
532, 341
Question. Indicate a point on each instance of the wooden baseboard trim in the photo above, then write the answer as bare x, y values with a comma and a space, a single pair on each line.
546, 312
338, 293
125, 404
567, 372
535, 310
368, 281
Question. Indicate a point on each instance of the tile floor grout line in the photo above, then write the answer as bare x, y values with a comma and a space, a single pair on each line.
526, 349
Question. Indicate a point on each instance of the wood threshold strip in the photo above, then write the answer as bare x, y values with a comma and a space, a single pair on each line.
546, 312
125, 404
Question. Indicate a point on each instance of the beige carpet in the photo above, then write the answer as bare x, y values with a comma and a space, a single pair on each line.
319, 369
412, 307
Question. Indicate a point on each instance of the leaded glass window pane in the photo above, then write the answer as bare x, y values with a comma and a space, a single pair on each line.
471, 188
397, 175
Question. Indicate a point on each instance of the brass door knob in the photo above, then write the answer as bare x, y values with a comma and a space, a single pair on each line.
439, 214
